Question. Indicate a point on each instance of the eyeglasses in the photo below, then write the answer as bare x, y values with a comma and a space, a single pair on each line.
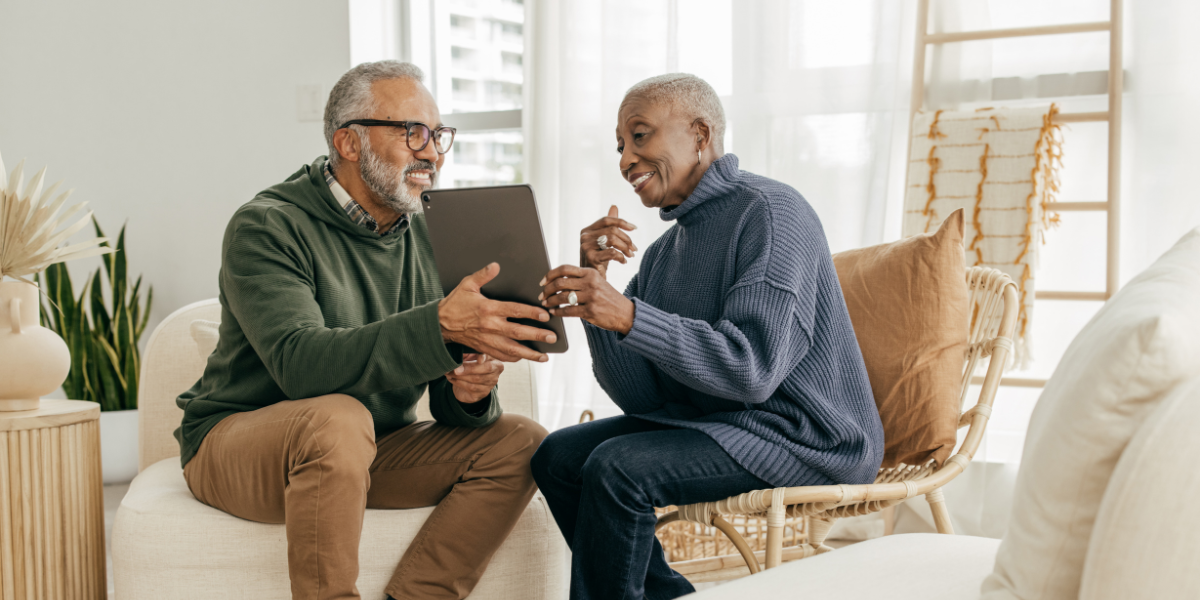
418, 136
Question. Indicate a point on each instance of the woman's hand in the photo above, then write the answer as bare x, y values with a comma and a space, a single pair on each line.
619, 245
474, 379
598, 302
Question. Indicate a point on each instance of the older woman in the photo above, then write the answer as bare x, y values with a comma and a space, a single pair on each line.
731, 351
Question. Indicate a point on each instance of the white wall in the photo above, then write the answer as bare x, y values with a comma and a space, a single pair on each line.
168, 115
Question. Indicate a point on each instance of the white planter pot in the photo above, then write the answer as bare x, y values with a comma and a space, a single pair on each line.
119, 445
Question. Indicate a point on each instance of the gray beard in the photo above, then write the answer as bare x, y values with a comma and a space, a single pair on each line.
389, 182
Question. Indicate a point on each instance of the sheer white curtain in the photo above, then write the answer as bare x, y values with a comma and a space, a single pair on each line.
815, 93
1162, 112
1159, 149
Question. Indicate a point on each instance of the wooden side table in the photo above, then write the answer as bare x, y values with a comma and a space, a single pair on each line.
51, 503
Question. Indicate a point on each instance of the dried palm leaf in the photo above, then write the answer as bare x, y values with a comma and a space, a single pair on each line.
32, 230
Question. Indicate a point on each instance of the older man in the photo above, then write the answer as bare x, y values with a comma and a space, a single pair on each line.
333, 324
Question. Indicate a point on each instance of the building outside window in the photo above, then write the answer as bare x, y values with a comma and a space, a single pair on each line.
479, 57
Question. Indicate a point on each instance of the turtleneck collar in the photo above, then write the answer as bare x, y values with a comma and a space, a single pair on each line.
721, 179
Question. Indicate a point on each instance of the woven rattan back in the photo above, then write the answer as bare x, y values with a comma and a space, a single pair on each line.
811, 510
994, 308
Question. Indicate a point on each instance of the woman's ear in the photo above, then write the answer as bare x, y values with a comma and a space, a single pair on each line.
703, 134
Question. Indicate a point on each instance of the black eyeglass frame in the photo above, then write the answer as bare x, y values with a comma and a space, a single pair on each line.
407, 125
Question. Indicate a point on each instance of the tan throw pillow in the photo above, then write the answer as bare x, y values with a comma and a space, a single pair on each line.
908, 303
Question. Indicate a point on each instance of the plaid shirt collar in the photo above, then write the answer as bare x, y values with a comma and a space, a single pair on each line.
355, 211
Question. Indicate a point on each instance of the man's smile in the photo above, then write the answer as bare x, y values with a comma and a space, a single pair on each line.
421, 177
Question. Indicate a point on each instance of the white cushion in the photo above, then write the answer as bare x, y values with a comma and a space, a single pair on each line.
206, 334
1145, 543
1142, 343
170, 365
166, 544
919, 566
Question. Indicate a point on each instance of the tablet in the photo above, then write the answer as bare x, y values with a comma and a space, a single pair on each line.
472, 227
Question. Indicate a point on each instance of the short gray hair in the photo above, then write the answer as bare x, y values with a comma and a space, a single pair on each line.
351, 98
688, 93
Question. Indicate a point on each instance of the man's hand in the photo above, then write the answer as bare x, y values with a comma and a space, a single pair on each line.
598, 302
474, 380
470, 319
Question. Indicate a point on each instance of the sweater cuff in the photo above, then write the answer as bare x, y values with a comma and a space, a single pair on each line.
598, 337
447, 410
477, 409
438, 357
653, 331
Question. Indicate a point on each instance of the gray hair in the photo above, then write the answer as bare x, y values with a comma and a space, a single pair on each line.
688, 93
351, 98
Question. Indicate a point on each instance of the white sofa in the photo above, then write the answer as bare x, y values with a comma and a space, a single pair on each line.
1104, 506
166, 544
1144, 544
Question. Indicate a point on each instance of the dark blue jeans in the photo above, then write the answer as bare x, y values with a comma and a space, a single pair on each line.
602, 481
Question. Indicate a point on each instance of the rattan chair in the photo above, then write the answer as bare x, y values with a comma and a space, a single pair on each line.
994, 302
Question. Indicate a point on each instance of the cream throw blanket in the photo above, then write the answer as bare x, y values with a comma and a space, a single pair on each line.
1001, 167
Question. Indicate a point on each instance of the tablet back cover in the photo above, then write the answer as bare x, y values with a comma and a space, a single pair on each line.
471, 227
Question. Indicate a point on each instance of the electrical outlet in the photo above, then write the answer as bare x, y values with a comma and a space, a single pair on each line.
310, 107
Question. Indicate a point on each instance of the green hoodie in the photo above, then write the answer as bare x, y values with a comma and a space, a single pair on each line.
314, 304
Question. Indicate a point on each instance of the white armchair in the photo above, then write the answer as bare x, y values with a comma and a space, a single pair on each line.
166, 544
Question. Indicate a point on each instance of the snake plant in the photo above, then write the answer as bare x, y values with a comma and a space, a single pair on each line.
101, 327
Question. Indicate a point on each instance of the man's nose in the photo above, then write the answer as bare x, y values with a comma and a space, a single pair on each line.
429, 152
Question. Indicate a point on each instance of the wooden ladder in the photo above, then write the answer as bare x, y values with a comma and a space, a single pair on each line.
1112, 116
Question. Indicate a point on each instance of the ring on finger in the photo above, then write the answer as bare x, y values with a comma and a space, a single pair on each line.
602, 242
573, 299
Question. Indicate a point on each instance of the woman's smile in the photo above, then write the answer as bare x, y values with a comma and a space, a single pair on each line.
638, 180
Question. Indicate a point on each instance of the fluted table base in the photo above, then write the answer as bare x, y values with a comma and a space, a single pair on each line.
51, 503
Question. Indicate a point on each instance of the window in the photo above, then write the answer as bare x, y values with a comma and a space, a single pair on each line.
462, 26
485, 72
464, 90
488, 158
504, 94
510, 32
472, 52
466, 151
464, 59
511, 61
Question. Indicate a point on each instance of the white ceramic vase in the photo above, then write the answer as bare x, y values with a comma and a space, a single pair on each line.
34, 361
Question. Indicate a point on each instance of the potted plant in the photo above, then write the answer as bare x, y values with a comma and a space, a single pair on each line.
33, 361
102, 328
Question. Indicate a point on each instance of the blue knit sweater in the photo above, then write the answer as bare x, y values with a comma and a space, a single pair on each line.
741, 331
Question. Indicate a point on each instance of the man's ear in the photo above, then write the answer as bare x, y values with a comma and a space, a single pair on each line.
347, 144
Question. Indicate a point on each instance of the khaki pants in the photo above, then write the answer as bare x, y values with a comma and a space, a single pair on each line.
315, 466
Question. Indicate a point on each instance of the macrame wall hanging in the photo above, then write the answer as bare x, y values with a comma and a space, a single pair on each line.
1001, 167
